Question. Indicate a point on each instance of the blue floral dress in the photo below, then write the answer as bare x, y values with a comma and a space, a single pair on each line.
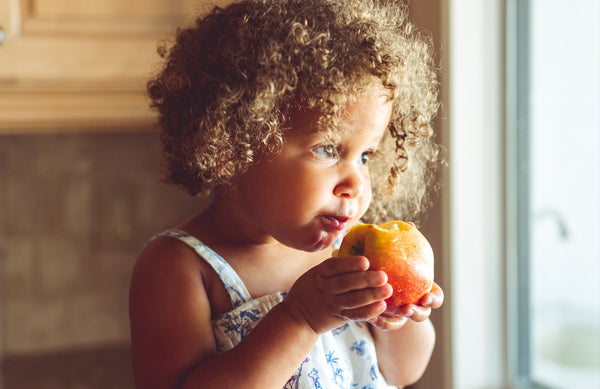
342, 358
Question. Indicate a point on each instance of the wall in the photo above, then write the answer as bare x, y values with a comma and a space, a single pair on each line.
430, 17
74, 212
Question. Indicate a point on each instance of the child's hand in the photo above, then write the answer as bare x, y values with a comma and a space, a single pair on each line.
416, 312
337, 290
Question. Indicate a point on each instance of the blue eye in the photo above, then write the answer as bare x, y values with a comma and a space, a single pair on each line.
364, 157
326, 151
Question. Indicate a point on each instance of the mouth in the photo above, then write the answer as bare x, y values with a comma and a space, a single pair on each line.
335, 223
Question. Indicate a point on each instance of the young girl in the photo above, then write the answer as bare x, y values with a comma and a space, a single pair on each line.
277, 112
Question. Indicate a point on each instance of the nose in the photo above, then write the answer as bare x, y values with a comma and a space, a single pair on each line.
351, 184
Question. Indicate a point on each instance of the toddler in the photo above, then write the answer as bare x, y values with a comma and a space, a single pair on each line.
292, 120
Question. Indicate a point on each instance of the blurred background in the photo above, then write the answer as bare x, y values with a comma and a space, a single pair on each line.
515, 226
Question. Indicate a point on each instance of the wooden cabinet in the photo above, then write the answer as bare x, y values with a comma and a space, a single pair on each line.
77, 65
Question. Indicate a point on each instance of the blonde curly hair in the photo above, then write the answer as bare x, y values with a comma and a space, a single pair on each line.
228, 84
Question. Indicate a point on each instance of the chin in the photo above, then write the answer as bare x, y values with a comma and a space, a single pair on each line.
323, 241
316, 248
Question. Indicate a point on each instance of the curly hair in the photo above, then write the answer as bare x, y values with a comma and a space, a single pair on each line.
228, 83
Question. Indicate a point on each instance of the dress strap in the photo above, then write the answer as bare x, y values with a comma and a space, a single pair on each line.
238, 294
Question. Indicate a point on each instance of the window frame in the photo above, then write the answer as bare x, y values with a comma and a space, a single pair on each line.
517, 194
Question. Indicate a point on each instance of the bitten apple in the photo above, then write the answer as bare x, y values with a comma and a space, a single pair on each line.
401, 251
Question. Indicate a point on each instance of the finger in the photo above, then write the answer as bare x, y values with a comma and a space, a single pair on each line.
438, 296
355, 281
389, 323
340, 265
416, 312
434, 299
360, 298
365, 312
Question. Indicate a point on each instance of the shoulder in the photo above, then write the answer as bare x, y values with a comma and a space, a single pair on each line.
165, 260
166, 277
169, 312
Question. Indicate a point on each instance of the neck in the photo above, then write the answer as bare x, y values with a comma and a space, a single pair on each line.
224, 223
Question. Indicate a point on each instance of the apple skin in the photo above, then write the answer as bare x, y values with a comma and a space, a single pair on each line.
401, 251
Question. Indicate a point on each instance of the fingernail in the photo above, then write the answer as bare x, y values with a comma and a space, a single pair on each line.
367, 263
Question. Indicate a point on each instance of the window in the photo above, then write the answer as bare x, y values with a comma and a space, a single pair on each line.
554, 193
524, 193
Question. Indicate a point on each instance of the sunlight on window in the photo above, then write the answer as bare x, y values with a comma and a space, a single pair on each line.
564, 193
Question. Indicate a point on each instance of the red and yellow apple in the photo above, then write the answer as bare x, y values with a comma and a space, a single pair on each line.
401, 251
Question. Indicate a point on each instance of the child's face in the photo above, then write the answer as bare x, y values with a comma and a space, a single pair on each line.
307, 196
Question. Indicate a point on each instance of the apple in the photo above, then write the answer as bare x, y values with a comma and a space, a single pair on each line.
401, 251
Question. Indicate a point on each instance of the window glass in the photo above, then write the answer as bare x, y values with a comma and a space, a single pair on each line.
562, 321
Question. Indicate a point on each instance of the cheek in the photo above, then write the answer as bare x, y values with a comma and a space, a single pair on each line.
289, 191
366, 199
367, 195
303, 191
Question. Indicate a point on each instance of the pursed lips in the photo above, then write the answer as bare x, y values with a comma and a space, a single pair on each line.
336, 223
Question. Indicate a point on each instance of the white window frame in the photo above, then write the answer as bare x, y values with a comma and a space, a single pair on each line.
476, 230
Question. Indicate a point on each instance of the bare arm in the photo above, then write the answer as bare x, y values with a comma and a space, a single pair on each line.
266, 358
404, 354
403, 346
171, 334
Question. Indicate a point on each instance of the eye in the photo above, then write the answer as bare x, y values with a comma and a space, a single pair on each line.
325, 151
364, 157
